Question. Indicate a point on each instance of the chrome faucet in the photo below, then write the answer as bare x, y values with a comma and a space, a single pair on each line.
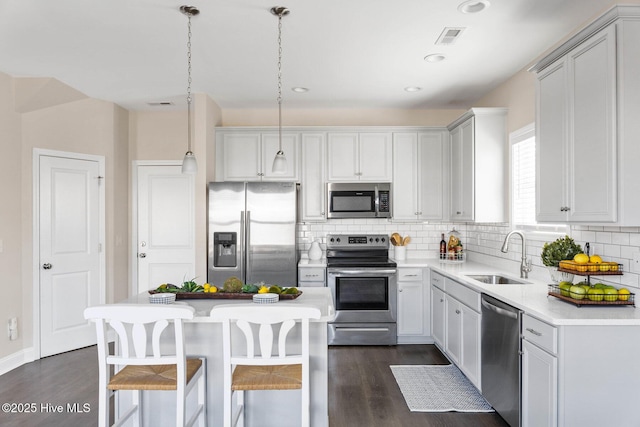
525, 266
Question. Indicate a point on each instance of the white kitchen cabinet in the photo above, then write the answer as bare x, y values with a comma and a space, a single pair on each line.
586, 124
359, 156
414, 319
312, 192
311, 275
456, 323
438, 312
247, 155
576, 150
478, 166
418, 175
539, 373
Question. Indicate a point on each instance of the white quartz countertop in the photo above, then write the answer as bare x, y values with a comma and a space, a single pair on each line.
532, 298
306, 262
314, 297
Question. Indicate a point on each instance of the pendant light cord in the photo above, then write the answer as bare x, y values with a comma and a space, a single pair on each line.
280, 84
189, 84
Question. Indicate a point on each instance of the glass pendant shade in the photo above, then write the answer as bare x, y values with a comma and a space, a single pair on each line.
189, 164
279, 163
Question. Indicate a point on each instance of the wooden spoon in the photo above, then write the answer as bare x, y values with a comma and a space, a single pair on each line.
396, 239
406, 240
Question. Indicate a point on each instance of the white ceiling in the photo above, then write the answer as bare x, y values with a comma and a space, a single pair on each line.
349, 53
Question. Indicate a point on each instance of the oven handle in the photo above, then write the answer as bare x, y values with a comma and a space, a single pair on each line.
362, 272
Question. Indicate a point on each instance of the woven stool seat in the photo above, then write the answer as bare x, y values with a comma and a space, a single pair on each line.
151, 377
275, 377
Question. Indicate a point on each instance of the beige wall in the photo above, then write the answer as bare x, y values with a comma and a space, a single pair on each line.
10, 215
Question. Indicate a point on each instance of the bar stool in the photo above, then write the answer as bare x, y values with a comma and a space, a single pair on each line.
251, 370
136, 369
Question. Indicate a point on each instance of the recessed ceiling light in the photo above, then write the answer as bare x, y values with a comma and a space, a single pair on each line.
300, 89
473, 6
412, 89
160, 103
435, 57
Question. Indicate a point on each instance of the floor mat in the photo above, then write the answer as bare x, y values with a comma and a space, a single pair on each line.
438, 388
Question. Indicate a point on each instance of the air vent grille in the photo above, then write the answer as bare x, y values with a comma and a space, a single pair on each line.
450, 35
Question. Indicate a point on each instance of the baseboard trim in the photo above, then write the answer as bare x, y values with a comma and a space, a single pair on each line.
15, 360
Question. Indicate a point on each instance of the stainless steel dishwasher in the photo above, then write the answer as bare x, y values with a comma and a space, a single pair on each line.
500, 358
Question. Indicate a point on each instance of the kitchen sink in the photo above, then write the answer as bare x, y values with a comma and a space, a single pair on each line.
495, 279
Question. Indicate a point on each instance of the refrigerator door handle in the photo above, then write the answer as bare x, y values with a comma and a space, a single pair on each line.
243, 247
247, 253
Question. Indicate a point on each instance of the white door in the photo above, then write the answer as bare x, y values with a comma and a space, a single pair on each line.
69, 250
165, 226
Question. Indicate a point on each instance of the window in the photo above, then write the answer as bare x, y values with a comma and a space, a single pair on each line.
523, 182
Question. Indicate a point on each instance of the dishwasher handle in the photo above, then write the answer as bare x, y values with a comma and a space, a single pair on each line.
501, 311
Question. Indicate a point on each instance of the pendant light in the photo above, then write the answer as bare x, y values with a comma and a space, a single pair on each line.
189, 164
280, 161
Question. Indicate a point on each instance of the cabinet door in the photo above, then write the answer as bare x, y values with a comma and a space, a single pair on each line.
411, 309
453, 330
342, 163
592, 118
539, 387
270, 146
375, 156
431, 158
405, 177
551, 147
438, 316
470, 363
313, 177
462, 169
242, 157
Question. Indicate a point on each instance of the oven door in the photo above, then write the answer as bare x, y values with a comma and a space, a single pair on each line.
363, 294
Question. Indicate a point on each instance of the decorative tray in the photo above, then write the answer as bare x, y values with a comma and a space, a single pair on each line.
224, 295
555, 291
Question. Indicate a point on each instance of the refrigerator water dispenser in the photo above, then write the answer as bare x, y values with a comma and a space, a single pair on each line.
224, 244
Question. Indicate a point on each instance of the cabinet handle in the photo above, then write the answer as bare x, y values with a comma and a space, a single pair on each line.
458, 213
399, 290
534, 332
411, 275
565, 209
457, 311
441, 299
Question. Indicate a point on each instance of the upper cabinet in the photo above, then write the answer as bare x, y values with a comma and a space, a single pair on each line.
587, 106
478, 169
419, 160
359, 156
312, 191
247, 155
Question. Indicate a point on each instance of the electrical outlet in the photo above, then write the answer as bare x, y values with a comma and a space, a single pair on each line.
635, 262
12, 328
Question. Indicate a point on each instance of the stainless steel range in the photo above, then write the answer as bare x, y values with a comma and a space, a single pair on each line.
363, 283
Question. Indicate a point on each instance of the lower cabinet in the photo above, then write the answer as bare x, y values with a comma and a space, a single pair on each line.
414, 320
456, 324
311, 276
539, 387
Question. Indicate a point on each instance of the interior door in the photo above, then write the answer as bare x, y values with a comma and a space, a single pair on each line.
69, 250
165, 226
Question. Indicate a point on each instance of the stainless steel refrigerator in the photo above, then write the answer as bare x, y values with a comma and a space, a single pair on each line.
252, 232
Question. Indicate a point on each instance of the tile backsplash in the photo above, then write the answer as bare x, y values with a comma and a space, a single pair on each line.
482, 243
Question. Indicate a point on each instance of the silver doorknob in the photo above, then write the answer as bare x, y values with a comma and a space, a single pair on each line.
142, 255
47, 266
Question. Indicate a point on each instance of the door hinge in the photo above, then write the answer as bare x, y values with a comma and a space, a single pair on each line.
100, 178
100, 247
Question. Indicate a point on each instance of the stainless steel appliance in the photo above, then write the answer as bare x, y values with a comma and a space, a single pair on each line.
252, 232
500, 358
359, 200
364, 286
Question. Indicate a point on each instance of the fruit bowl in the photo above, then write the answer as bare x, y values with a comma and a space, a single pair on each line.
580, 299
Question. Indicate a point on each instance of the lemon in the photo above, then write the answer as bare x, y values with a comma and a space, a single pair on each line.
581, 258
263, 290
623, 294
595, 259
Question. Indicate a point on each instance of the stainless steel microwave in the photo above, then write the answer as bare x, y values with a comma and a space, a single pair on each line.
359, 200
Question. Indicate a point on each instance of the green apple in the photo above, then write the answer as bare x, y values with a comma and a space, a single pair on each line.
610, 294
577, 292
599, 286
564, 288
595, 294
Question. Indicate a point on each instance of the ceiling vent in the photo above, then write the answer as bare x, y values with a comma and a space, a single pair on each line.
450, 35
160, 104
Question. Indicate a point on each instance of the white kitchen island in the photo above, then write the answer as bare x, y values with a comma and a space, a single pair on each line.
263, 409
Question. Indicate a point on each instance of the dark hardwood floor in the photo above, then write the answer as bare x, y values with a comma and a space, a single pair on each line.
362, 390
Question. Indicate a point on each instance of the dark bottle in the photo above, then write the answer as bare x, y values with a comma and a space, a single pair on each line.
443, 248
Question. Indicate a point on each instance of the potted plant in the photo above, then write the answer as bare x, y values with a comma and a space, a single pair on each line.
559, 250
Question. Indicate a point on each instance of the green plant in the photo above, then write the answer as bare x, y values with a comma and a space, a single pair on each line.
561, 249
